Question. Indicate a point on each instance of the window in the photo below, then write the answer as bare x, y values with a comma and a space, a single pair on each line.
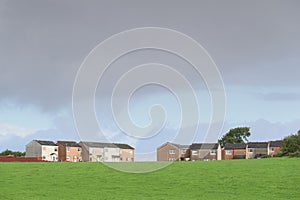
79, 149
171, 151
55, 149
194, 152
68, 158
272, 149
228, 152
171, 159
44, 157
68, 149
183, 151
250, 150
213, 152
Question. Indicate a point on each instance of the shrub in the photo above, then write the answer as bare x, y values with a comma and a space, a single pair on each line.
266, 156
281, 154
295, 154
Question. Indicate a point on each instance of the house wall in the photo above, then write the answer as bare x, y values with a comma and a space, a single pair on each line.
227, 157
256, 151
84, 152
33, 149
61, 152
163, 153
203, 154
95, 154
74, 154
127, 155
111, 154
276, 151
47, 151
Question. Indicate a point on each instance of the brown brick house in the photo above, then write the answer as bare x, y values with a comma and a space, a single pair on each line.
126, 152
257, 149
69, 151
171, 152
205, 151
234, 151
275, 147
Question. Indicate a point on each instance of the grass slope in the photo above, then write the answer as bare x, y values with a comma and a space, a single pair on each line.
235, 179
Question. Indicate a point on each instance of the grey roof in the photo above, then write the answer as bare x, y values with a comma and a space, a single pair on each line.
235, 146
123, 146
69, 143
180, 146
45, 142
258, 145
204, 146
106, 145
277, 143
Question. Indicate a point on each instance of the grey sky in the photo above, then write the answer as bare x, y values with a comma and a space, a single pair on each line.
255, 44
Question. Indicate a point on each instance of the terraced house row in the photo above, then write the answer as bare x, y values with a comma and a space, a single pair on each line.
71, 151
213, 151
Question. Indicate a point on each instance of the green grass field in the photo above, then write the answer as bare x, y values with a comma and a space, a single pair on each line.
277, 178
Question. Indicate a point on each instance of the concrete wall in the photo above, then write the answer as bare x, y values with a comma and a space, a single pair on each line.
33, 150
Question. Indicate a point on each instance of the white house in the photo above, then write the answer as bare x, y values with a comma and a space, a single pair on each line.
48, 150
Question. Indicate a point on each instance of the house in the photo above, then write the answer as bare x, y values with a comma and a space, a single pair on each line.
69, 151
47, 150
205, 151
171, 152
257, 149
106, 152
126, 152
234, 151
275, 147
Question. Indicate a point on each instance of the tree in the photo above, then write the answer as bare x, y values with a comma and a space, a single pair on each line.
9, 152
236, 135
291, 143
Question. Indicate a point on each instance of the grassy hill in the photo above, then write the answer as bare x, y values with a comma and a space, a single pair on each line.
277, 178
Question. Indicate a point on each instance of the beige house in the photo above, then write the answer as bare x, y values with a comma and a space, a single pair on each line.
172, 152
47, 150
69, 151
205, 151
106, 152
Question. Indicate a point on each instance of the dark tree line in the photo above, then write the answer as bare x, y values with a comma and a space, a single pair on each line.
9, 152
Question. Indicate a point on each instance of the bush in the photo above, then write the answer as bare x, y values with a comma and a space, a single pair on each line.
281, 154
295, 154
266, 156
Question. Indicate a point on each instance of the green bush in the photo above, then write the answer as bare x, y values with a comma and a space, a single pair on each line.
295, 154
281, 154
266, 156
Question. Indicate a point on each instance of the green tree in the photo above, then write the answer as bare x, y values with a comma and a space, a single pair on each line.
291, 143
236, 135
9, 152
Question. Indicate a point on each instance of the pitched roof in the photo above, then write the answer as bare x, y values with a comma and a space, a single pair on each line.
235, 146
180, 146
45, 142
258, 145
106, 145
204, 146
69, 143
277, 143
123, 146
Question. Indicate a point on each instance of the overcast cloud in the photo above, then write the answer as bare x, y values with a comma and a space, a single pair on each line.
255, 44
